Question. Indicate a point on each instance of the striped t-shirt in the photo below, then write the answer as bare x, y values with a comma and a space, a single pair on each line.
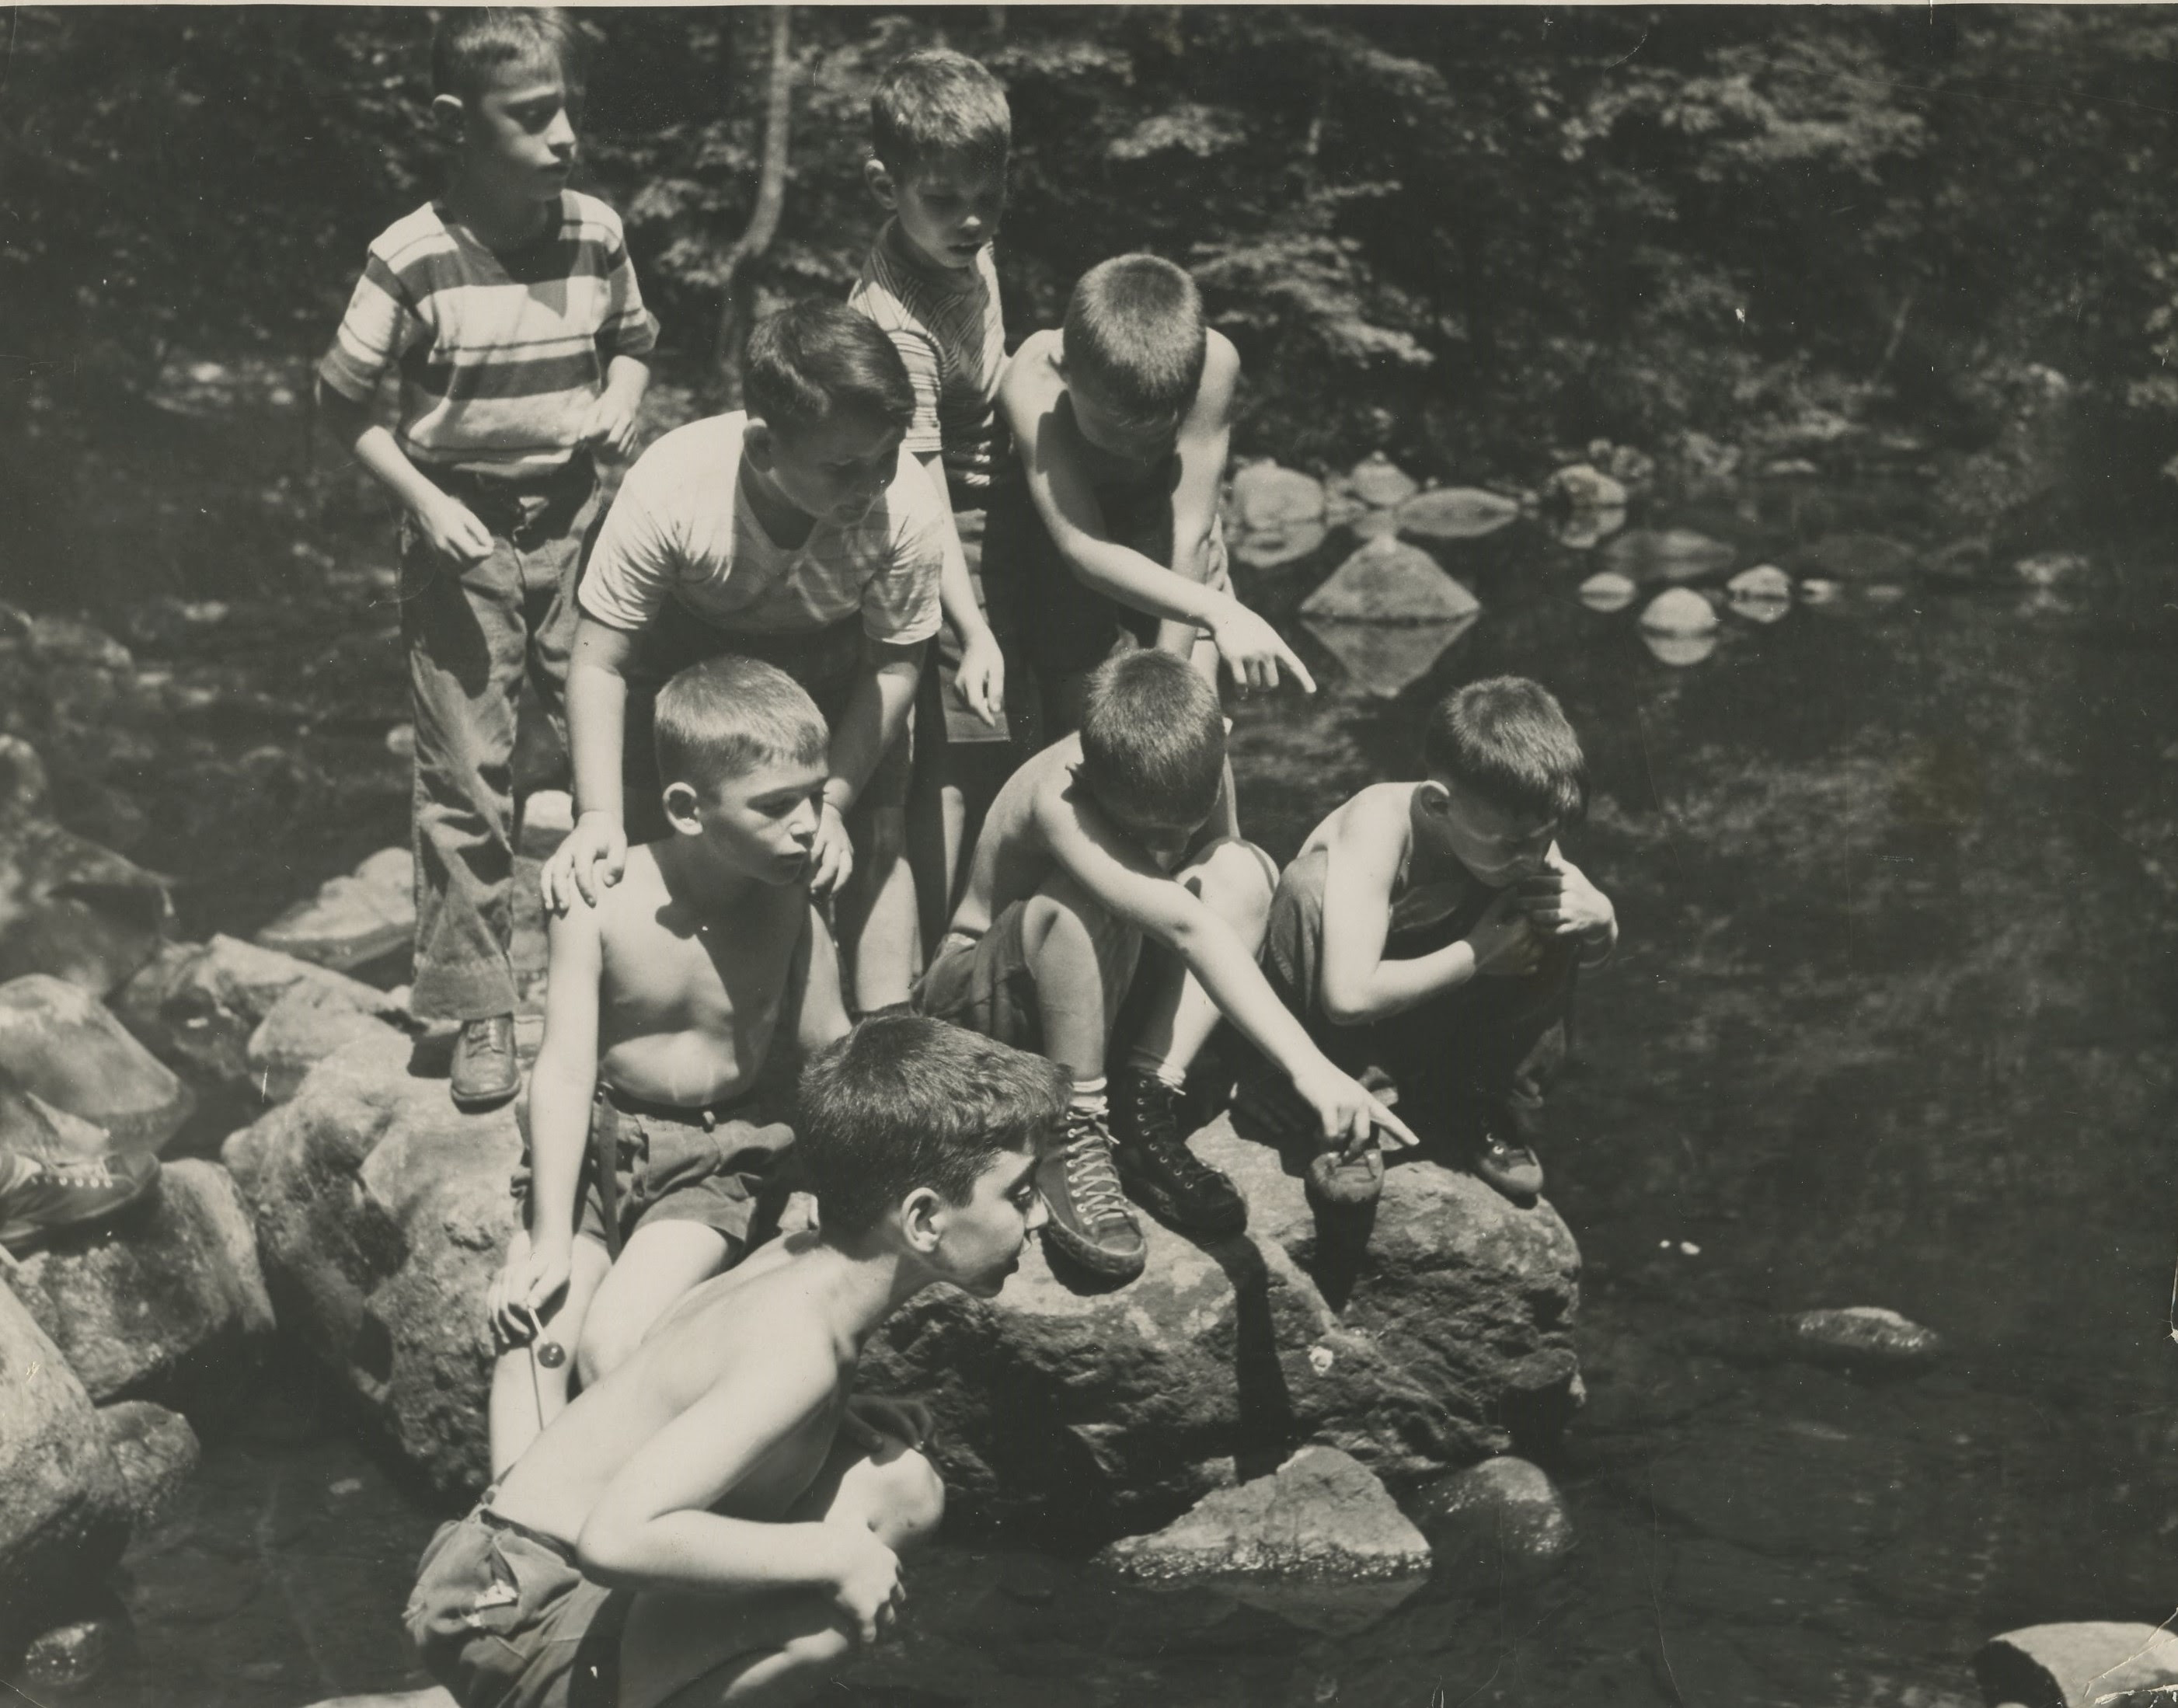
681, 532
501, 353
948, 328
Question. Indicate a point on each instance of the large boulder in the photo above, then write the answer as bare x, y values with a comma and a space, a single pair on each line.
1446, 1339
67, 906
169, 1305
2075, 1665
1267, 497
382, 1216
1498, 1522
366, 916
60, 1043
1387, 581
63, 1510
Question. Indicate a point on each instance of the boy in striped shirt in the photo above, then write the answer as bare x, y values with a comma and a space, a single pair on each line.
939, 134
510, 311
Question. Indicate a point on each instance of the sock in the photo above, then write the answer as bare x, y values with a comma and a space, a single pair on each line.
1151, 1065
1089, 1097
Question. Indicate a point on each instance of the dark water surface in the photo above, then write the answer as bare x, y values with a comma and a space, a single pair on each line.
1892, 1024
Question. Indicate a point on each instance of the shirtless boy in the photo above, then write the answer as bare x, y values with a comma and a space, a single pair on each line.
1094, 845
680, 1007
1123, 418
749, 1510
1431, 932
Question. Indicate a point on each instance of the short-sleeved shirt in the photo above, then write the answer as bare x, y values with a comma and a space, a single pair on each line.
682, 530
947, 326
501, 353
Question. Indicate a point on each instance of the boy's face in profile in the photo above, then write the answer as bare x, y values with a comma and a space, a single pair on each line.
518, 134
948, 209
983, 1242
1498, 845
833, 471
1110, 427
759, 823
1165, 841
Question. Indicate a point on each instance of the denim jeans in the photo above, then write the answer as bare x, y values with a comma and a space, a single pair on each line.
474, 634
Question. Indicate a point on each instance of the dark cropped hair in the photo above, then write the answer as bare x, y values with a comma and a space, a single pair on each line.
1134, 330
817, 359
472, 43
1153, 738
727, 715
1506, 738
903, 1102
934, 104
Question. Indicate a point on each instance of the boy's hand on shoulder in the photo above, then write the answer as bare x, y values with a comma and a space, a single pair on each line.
1253, 650
609, 426
589, 861
866, 1574
831, 854
1348, 1110
1561, 902
981, 680
453, 530
1504, 942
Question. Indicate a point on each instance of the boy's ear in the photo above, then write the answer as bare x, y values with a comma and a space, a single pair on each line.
922, 1219
682, 809
760, 444
881, 184
449, 118
1434, 795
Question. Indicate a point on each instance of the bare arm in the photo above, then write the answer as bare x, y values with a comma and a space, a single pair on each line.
595, 853
1365, 846
1205, 443
824, 1008
448, 524
876, 716
981, 676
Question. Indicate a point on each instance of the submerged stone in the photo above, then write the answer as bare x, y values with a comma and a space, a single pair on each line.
1679, 611
1273, 548
1448, 513
1855, 557
1579, 530
1381, 483
1816, 589
1499, 1520
1864, 1337
1765, 580
1385, 659
2074, 1665
1387, 581
1583, 488
1678, 651
353, 920
1266, 497
1669, 553
59, 1043
1607, 590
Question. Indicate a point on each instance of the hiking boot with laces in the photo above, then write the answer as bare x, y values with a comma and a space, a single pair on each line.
1159, 1171
1090, 1223
50, 1198
485, 1070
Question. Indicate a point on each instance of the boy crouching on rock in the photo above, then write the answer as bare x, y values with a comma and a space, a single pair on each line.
747, 1508
1097, 843
1428, 935
679, 1008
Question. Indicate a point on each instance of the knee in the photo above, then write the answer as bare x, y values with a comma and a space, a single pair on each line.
911, 1502
602, 1348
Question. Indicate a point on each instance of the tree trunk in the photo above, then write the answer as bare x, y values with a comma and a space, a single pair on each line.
736, 311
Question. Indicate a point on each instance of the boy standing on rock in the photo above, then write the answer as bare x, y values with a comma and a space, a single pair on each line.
1428, 935
510, 310
678, 1010
721, 1519
1094, 845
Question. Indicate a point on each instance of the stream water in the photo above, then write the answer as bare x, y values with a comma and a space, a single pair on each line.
1892, 1024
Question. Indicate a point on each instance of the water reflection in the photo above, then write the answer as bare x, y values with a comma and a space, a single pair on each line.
1384, 660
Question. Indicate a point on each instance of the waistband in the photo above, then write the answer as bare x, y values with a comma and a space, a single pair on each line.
578, 473
704, 1115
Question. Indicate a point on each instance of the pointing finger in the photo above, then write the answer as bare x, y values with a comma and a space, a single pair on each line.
1391, 1126
1300, 669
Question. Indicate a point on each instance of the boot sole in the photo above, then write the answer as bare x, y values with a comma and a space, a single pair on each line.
1094, 1258
1153, 1200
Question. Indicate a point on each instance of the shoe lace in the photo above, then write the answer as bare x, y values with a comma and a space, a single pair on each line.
78, 1171
1091, 1182
490, 1038
1156, 1121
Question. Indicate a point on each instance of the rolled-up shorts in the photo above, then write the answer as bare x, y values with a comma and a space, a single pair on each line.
986, 985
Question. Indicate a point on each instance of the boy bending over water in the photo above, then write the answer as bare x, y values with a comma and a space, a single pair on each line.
678, 1009
752, 1510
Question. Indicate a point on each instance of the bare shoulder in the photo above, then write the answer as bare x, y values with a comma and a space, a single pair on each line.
1375, 819
1033, 382
626, 912
1220, 359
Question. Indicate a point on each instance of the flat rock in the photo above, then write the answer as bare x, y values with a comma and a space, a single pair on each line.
1853, 556
1381, 483
1499, 1521
1607, 590
382, 1215
1444, 514
1679, 611
1387, 581
364, 917
71, 908
199, 1005
2074, 1665
1267, 497
157, 1454
1864, 1337
169, 1304
1583, 487
1385, 659
309, 1022
63, 1510
60, 1043
1274, 547
1668, 554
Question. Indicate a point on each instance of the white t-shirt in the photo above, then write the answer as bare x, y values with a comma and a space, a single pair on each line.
681, 529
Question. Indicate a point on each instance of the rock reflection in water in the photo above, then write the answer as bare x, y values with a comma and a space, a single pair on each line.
1384, 660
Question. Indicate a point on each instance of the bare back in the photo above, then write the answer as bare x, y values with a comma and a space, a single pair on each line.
1012, 858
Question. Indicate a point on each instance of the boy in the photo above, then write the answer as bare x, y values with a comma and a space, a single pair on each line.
1431, 931
799, 532
1092, 845
1123, 419
511, 310
749, 1509
678, 1010
939, 133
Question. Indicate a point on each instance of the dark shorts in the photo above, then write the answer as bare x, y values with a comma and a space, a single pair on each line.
504, 1618
986, 985
719, 1166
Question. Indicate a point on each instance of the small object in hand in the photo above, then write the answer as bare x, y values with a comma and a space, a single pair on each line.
551, 1354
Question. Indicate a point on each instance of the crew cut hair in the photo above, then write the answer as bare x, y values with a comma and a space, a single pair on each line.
817, 359
472, 45
903, 1102
1153, 738
1509, 739
725, 716
1134, 330
935, 105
